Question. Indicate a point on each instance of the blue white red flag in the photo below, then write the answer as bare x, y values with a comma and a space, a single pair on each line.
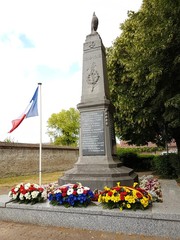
30, 111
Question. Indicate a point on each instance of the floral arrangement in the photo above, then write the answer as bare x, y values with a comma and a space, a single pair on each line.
74, 195
152, 186
124, 197
51, 186
96, 193
28, 193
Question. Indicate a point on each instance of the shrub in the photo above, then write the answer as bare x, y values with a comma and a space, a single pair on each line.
167, 166
145, 162
129, 159
137, 162
139, 149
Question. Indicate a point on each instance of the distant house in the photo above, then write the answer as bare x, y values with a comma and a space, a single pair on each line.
125, 144
171, 146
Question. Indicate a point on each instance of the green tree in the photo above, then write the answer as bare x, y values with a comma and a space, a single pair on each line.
9, 140
63, 127
144, 73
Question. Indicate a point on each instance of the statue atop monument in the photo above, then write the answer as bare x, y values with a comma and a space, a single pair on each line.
94, 23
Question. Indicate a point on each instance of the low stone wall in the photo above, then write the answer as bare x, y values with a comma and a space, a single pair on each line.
23, 159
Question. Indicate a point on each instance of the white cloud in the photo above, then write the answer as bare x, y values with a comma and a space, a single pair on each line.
40, 40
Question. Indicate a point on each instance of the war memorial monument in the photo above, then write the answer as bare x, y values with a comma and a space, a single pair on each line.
97, 165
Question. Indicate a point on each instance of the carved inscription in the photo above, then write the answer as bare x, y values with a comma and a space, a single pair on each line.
92, 76
92, 130
92, 44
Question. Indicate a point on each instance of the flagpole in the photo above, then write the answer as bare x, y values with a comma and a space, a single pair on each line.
40, 142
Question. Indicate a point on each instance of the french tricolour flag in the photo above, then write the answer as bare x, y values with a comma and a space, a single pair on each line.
30, 111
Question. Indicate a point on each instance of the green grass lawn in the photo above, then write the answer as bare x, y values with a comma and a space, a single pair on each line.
46, 178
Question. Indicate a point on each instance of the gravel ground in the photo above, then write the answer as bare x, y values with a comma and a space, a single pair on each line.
20, 231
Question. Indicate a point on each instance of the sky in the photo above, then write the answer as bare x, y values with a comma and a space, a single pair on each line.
41, 41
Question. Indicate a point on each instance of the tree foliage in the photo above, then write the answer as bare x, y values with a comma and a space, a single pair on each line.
144, 73
63, 127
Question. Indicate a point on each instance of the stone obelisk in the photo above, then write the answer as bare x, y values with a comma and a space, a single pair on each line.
97, 165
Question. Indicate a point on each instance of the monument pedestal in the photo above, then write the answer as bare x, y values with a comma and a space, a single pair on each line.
97, 165
97, 176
